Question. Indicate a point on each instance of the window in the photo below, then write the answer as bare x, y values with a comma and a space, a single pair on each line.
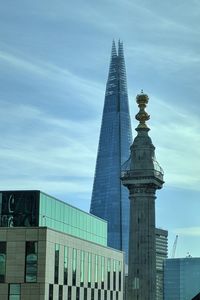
77, 293
74, 261
120, 276
14, 292
109, 267
92, 294
2, 261
111, 295
82, 268
69, 293
105, 295
96, 271
114, 275
65, 278
51, 292
60, 292
85, 294
99, 294
102, 271
89, 268
31, 262
56, 263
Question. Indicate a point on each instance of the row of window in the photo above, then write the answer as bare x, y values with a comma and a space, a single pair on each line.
31, 259
99, 269
76, 293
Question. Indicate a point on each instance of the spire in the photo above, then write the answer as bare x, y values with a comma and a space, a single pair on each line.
120, 49
114, 51
142, 116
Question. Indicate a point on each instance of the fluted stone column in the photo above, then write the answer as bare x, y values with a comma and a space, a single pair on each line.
142, 176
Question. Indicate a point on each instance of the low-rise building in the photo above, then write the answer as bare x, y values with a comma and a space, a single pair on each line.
54, 251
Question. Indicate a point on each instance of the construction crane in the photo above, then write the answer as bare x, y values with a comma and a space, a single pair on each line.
174, 247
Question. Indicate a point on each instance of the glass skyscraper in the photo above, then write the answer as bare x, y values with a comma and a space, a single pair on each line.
109, 198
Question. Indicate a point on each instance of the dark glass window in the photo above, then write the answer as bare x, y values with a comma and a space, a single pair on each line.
117, 296
96, 271
69, 293
31, 261
102, 272
65, 265
77, 293
56, 264
109, 268
74, 264
60, 292
89, 268
85, 294
14, 291
2, 261
99, 294
111, 295
120, 275
92, 294
51, 292
82, 269
105, 295
114, 275
120, 280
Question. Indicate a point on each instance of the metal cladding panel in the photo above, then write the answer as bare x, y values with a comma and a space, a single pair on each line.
19, 208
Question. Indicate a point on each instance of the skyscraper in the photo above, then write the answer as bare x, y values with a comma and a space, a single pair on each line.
109, 198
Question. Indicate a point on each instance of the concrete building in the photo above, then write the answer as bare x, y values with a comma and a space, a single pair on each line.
181, 278
161, 255
142, 175
54, 251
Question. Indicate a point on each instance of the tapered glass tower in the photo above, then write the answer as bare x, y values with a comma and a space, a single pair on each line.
109, 198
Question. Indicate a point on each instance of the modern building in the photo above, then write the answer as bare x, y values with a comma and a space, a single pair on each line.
142, 175
50, 250
109, 198
161, 255
181, 278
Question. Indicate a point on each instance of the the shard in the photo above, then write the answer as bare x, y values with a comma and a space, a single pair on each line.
109, 198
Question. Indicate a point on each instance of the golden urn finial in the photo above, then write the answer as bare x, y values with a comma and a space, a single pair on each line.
142, 100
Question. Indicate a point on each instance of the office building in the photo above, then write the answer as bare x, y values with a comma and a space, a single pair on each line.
142, 175
181, 278
50, 250
161, 255
109, 198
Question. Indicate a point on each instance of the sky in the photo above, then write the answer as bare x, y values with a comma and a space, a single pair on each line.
54, 60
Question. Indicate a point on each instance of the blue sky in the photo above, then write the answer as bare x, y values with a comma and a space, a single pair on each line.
54, 59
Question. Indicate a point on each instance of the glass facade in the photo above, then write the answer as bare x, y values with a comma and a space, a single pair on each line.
66, 218
31, 262
109, 198
181, 278
34, 208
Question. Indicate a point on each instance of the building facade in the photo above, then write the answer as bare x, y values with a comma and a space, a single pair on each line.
49, 263
181, 278
109, 198
161, 255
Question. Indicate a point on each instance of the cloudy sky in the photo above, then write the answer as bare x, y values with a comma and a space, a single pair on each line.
54, 59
